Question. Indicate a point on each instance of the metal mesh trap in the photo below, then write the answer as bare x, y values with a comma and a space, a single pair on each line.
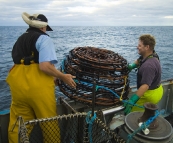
104, 68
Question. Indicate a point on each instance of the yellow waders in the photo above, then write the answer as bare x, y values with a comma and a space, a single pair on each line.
152, 96
33, 96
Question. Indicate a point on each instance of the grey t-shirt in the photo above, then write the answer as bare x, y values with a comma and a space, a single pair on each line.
149, 73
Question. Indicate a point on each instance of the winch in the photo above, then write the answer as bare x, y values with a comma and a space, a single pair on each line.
156, 128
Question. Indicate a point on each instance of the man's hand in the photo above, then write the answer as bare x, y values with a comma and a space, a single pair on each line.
128, 107
68, 79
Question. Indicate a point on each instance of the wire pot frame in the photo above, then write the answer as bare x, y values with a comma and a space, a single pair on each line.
104, 68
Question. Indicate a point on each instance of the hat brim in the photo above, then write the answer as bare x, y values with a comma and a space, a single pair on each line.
35, 23
48, 28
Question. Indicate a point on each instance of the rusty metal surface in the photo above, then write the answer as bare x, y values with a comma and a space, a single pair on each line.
104, 67
150, 110
163, 131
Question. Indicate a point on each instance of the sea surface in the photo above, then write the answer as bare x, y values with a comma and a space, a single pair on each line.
122, 40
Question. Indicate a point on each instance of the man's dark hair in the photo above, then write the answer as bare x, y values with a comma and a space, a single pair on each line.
148, 39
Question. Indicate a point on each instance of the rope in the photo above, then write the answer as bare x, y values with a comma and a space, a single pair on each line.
62, 65
126, 101
103, 87
123, 88
90, 121
143, 126
97, 87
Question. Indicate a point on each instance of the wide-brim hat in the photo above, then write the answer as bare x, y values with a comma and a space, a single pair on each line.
36, 20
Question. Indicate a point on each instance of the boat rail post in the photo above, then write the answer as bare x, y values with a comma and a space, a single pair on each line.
167, 101
19, 120
22, 131
93, 97
67, 105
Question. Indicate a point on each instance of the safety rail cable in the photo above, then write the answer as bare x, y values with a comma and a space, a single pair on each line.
90, 134
143, 126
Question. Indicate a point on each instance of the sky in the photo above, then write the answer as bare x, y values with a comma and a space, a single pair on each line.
90, 12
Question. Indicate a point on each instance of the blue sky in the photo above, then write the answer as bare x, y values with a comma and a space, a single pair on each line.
90, 12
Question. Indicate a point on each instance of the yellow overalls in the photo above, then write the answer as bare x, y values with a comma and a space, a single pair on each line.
152, 96
33, 96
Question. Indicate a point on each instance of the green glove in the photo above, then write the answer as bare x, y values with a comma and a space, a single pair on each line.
128, 107
132, 66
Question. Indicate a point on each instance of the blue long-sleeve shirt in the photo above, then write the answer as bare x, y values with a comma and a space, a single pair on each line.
46, 49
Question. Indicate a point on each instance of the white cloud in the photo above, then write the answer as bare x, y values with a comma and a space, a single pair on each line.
82, 9
169, 17
90, 12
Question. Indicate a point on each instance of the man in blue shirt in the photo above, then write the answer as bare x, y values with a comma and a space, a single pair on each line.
31, 79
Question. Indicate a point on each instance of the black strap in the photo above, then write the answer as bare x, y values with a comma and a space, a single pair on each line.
141, 61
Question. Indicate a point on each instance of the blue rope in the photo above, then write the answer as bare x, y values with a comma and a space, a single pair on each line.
62, 66
90, 121
151, 119
124, 101
143, 126
97, 87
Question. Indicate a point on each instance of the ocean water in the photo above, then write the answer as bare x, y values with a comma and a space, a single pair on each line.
122, 40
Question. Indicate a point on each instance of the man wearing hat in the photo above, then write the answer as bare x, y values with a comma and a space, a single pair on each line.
31, 79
